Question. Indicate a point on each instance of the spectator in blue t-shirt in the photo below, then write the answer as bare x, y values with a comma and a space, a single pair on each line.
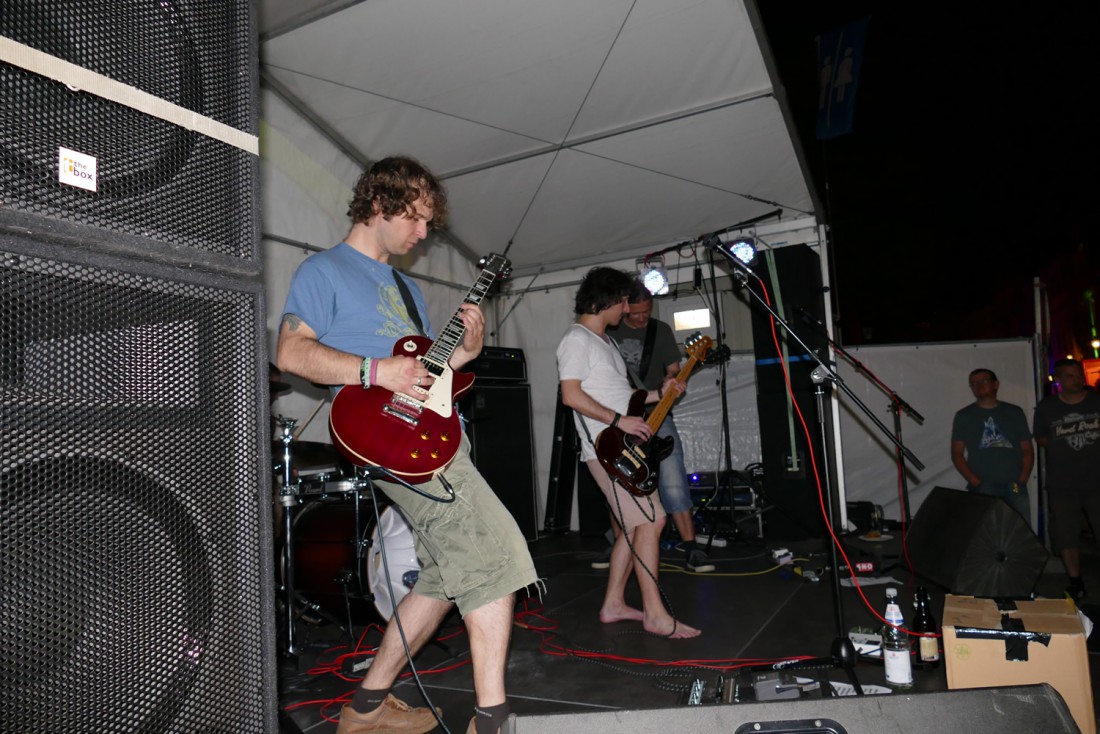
991, 445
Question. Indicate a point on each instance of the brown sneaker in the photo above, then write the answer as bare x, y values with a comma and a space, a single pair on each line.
393, 716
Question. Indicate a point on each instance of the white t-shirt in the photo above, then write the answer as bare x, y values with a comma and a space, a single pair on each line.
585, 356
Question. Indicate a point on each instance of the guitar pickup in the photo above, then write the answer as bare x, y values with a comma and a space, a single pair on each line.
404, 409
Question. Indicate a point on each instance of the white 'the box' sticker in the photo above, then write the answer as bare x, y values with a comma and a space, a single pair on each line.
76, 169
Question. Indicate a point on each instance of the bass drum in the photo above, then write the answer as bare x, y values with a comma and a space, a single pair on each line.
393, 539
342, 575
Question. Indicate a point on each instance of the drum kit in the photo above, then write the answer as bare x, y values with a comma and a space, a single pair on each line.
339, 553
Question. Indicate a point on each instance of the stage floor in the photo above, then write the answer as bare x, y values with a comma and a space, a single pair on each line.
564, 660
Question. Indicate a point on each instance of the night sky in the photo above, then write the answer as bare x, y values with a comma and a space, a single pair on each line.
973, 165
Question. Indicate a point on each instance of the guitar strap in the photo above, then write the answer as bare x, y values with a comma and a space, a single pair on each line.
647, 348
631, 374
647, 355
410, 304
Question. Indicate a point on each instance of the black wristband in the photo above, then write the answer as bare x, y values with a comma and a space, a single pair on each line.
615, 420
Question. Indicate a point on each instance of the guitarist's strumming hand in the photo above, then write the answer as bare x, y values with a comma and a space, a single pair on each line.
635, 426
404, 374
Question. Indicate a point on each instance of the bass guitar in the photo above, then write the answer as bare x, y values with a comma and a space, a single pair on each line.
629, 460
413, 436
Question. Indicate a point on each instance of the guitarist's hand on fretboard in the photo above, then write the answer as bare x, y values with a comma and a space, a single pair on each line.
671, 383
473, 336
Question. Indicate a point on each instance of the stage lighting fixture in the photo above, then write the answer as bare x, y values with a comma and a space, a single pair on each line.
743, 248
654, 275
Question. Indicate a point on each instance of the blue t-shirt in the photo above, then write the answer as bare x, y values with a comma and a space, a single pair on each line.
993, 437
352, 302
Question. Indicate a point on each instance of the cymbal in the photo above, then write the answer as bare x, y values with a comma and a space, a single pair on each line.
312, 457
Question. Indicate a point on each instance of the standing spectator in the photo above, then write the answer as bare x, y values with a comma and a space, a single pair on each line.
1067, 427
991, 445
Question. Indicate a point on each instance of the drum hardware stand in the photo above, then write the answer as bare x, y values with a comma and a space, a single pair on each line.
289, 500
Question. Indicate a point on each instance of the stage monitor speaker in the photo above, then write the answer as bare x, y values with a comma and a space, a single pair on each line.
498, 422
160, 189
793, 277
1009, 710
975, 545
135, 481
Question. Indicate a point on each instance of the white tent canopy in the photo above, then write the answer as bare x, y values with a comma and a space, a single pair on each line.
567, 132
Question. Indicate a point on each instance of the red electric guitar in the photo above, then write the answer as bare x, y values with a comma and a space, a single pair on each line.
413, 436
629, 460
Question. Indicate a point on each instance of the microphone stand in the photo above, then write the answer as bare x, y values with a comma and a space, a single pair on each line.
843, 651
897, 405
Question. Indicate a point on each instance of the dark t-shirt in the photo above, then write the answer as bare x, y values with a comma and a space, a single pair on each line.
665, 350
1073, 442
993, 437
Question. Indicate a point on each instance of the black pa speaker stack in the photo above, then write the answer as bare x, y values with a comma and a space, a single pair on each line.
793, 278
498, 422
135, 537
975, 545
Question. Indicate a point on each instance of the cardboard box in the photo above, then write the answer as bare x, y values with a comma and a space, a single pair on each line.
1040, 641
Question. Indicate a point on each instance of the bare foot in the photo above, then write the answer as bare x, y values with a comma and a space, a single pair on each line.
671, 629
620, 613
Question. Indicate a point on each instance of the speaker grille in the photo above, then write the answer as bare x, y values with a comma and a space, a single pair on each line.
156, 180
134, 583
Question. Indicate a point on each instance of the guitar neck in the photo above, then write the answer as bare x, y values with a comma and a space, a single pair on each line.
443, 348
658, 414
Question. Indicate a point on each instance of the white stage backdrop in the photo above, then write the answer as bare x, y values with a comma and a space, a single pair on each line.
932, 378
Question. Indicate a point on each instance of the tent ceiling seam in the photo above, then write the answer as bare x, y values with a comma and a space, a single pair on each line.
268, 80
307, 18
407, 103
572, 123
608, 134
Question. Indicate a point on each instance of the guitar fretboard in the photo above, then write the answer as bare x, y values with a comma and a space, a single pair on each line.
439, 354
697, 346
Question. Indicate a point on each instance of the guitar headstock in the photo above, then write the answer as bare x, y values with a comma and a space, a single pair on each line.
498, 265
697, 345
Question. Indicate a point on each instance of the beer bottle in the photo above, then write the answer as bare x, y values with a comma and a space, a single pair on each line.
927, 648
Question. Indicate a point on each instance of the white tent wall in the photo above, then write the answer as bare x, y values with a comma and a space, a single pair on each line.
932, 378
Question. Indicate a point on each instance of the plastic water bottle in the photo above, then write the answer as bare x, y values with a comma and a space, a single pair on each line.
895, 645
